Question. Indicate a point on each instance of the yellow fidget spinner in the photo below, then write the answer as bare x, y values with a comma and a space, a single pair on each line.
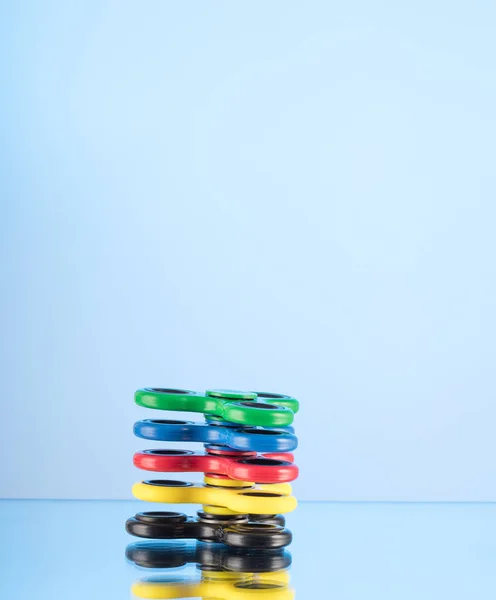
258, 500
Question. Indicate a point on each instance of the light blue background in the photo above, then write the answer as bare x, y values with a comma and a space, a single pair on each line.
296, 197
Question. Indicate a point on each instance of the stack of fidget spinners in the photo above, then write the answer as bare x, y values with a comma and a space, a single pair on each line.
247, 465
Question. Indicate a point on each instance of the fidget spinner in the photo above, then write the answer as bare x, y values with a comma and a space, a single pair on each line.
251, 500
230, 405
221, 433
247, 468
244, 466
240, 531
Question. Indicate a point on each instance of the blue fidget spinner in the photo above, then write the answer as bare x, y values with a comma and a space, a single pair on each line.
253, 439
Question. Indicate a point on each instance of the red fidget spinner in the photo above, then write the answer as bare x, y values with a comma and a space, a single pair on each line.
245, 466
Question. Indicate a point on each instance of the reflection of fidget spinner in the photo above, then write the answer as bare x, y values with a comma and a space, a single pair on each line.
218, 585
247, 469
207, 556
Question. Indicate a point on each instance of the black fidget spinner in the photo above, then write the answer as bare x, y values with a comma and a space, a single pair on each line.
237, 531
209, 556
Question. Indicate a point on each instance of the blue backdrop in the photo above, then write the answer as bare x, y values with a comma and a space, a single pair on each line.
296, 197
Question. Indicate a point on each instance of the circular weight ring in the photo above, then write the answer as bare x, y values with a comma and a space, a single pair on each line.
224, 481
264, 415
223, 451
244, 439
254, 501
218, 511
213, 420
279, 400
232, 394
262, 440
251, 535
246, 411
215, 480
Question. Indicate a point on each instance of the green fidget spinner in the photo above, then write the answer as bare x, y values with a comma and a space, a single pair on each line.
229, 405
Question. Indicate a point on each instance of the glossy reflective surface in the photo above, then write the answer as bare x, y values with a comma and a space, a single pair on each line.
74, 550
